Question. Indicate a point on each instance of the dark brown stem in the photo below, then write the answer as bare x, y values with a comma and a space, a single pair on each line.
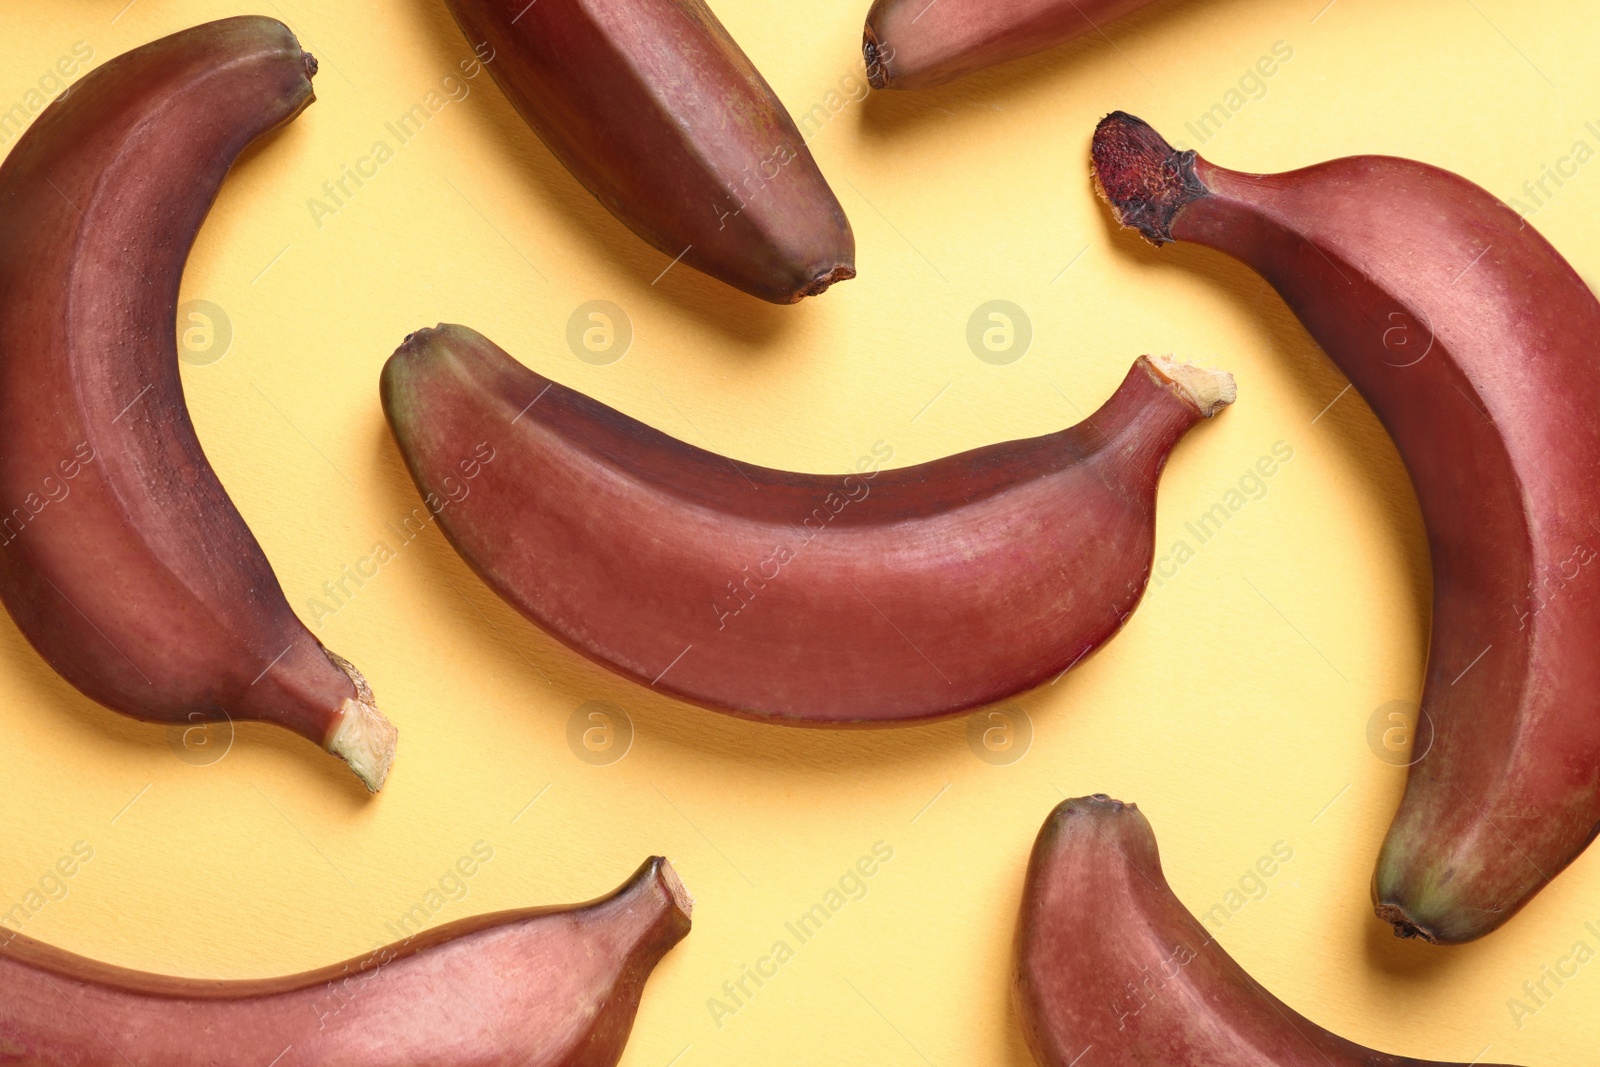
1403, 925
1144, 179
877, 61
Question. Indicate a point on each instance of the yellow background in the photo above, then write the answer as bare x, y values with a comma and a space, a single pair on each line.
1234, 707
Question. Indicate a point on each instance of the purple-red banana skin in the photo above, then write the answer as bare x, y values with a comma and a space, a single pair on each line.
1113, 971
539, 987
1475, 344
867, 598
136, 577
656, 110
917, 44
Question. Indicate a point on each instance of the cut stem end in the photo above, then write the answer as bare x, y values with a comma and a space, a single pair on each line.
676, 891
1209, 391
364, 738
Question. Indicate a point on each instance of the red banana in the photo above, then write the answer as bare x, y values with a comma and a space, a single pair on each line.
656, 110
539, 987
867, 598
1113, 971
917, 44
1473, 341
121, 557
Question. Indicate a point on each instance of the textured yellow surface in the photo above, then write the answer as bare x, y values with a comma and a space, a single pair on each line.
1234, 708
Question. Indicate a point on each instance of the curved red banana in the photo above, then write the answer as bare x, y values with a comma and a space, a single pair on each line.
917, 44
1113, 971
540, 987
1474, 342
121, 557
867, 598
654, 107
